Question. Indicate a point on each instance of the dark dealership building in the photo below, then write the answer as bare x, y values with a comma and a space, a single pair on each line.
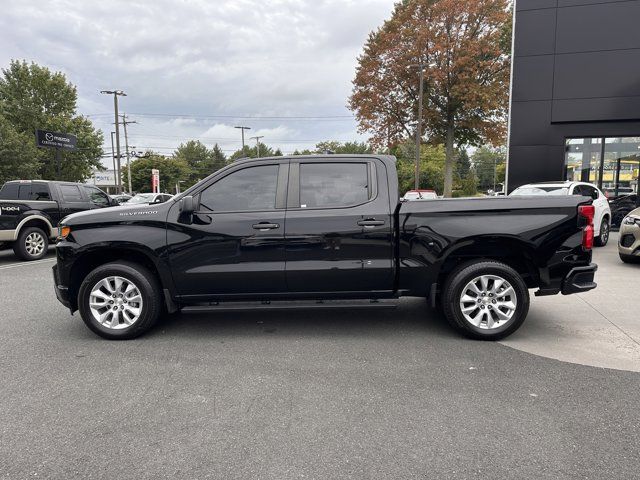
575, 101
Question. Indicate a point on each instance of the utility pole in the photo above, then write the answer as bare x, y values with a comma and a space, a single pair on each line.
126, 147
113, 157
257, 143
243, 129
116, 94
419, 126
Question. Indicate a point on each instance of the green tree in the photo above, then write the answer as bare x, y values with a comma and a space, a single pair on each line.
198, 159
172, 170
432, 159
18, 154
460, 45
252, 152
463, 164
218, 159
337, 148
486, 161
32, 97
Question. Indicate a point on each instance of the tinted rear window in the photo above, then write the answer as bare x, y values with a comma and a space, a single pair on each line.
40, 191
9, 191
328, 185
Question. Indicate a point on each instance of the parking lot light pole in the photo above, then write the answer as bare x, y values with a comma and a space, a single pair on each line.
116, 94
257, 143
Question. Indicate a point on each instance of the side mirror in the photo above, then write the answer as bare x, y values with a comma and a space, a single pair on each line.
187, 205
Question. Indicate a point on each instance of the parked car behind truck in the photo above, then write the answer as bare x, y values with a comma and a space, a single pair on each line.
602, 218
31, 209
322, 228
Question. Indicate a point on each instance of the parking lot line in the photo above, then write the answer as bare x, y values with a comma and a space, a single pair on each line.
24, 264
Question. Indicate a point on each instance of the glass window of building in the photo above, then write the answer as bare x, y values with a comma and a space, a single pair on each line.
610, 163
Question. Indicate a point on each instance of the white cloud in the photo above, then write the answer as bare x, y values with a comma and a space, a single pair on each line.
245, 58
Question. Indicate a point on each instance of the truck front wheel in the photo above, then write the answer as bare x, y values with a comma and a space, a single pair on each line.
32, 244
485, 300
119, 301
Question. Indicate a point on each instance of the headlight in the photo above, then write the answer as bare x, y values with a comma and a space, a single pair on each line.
630, 220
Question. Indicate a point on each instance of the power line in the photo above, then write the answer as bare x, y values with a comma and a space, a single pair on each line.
197, 137
245, 117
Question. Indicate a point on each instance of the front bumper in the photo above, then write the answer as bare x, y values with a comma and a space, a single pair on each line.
579, 279
629, 239
62, 292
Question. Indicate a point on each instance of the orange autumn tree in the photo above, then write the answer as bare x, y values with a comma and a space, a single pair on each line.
463, 47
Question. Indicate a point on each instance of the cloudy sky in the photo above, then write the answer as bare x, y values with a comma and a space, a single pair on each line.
195, 69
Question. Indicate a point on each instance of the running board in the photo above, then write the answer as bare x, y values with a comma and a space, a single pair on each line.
289, 305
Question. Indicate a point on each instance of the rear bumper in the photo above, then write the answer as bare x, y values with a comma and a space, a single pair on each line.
579, 279
62, 292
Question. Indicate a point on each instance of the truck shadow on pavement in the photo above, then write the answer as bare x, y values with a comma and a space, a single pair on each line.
412, 317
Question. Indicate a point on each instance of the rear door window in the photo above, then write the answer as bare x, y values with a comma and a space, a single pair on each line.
24, 192
332, 185
40, 192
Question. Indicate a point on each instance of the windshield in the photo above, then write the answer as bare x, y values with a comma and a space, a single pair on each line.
142, 198
538, 190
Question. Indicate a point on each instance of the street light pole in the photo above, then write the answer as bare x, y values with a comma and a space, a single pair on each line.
116, 94
257, 143
243, 129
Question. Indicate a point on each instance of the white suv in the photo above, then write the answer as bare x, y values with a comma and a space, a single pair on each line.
602, 218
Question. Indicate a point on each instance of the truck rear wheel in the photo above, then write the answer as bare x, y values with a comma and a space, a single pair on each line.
119, 301
485, 300
32, 244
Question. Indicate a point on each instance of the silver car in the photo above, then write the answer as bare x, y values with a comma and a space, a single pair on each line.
629, 243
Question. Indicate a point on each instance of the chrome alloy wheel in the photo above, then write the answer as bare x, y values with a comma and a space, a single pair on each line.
488, 302
115, 302
34, 244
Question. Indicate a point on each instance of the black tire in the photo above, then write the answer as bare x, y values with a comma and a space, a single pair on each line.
629, 258
605, 230
149, 290
458, 280
24, 246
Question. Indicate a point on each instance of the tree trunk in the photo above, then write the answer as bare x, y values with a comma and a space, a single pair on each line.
449, 161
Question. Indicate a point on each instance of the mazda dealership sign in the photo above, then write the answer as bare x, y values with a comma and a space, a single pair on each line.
66, 141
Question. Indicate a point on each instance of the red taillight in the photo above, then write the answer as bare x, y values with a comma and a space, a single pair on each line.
587, 212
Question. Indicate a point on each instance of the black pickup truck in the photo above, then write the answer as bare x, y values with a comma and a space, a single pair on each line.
31, 209
321, 228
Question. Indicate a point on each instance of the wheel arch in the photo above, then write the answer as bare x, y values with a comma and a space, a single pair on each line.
88, 261
39, 221
511, 251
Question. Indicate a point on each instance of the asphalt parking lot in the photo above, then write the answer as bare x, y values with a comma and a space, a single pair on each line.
316, 394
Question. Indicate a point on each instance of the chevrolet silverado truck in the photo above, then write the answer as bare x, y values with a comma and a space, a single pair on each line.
320, 229
31, 209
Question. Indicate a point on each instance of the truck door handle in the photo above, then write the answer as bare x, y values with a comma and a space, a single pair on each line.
264, 226
370, 222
